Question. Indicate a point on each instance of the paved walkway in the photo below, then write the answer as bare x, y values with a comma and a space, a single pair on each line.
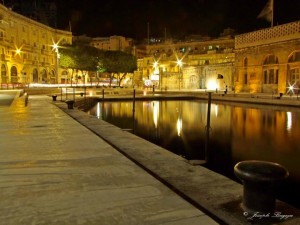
55, 171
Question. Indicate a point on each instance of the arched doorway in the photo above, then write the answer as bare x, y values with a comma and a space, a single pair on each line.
52, 77
44, 77
35, 76
13, 74
3, 74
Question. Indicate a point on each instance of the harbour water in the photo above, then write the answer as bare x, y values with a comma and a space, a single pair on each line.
237, 132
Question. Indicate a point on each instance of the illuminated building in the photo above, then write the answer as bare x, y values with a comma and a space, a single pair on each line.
263, 61
268, 60
188, 65
26, 49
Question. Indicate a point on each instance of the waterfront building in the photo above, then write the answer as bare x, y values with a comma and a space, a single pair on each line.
263, 61
268, 60
201, 64
27, 50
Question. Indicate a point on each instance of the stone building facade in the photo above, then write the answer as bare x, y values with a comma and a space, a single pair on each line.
263, 61
188, 65
26, 50
268, 60
113, 43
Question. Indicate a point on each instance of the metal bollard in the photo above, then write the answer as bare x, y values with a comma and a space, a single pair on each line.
70, 104
54, 97
260, 179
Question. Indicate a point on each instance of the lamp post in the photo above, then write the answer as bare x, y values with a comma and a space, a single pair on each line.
179, 64
55, 47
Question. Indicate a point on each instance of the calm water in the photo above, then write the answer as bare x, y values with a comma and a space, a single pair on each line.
237, 132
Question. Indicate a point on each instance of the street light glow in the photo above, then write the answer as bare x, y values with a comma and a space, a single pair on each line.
18, 51
179, 62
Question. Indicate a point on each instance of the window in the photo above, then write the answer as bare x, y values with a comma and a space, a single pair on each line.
295, 57
271, 76
246, 70
295, 75
265, 77
245, 79
271, 71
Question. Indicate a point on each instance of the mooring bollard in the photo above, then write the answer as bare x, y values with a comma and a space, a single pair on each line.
260, 179
70, 104
54, 97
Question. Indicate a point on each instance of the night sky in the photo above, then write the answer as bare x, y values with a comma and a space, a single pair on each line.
176, 18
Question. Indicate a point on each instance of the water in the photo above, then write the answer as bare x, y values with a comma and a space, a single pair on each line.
237, 132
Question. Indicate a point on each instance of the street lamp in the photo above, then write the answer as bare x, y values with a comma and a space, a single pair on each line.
55, 47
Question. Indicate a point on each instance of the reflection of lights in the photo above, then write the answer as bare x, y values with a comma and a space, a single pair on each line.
179, 126
212, 85
288, 121
216, 110
155, 112
98, 112
91, 93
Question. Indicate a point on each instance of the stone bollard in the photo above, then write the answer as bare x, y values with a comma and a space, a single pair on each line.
260, 179
70, 104
54, 97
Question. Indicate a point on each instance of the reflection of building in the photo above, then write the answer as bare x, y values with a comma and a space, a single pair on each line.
268, 60
26, 49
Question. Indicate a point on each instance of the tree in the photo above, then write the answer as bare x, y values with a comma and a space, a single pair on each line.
117, 63
82, 57
79, 57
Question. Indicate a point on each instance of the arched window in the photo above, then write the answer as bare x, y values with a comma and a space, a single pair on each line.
295, 57
35, 76
52, 77
245, 70
294, 72
271, 69
3, 74
44, 77
13, 75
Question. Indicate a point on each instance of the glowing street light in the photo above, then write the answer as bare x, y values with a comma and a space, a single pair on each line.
55, 48
179, 64
18, 51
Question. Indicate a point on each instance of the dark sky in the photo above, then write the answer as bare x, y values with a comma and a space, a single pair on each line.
178, 18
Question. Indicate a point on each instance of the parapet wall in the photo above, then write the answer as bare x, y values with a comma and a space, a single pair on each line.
270, 35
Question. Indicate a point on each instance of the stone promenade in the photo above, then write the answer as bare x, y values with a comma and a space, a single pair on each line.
53, 170
62, 166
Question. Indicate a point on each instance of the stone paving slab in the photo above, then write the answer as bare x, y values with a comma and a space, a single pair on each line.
55, 171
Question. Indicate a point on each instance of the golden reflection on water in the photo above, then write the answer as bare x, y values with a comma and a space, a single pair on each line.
243, 132
237, 132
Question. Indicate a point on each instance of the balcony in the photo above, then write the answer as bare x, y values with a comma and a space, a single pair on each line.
5, 57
